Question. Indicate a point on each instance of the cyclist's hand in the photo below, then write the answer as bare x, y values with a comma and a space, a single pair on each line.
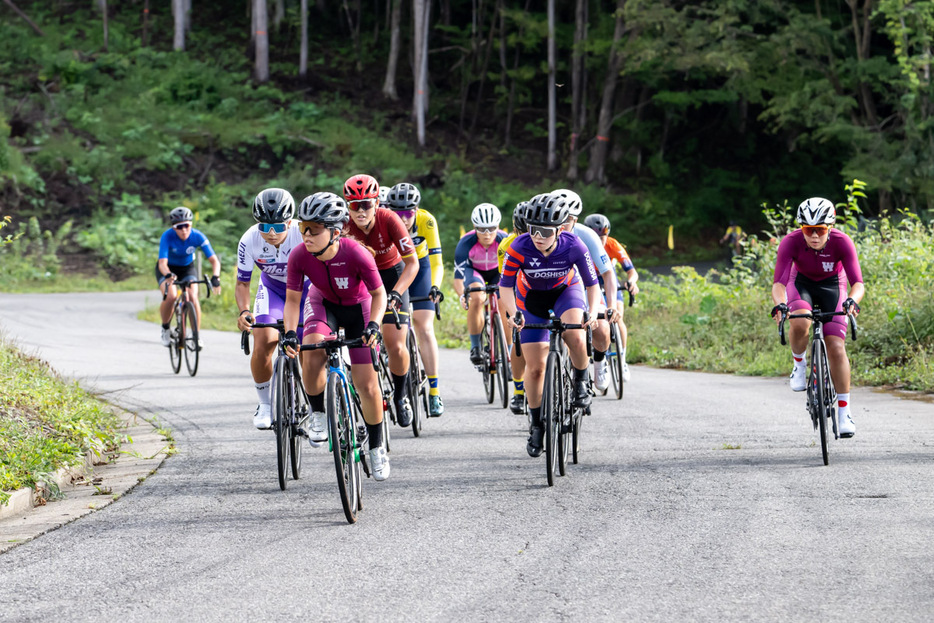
633, 287
435, 294
511, 321
779, 312
215, 284
371, 334
464, 301
245, 320
394, 300
851, 307
290, 342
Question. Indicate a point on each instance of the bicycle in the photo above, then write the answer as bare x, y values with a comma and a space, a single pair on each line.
561, 420
184, 322
347, 434
291, 409
387, 387
419, 389
497, 362
821, 394
614, 361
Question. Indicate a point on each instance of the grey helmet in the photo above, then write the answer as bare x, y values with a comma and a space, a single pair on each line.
816, 211
273, 205
518, 217
404, 196
599, 223
326, 208
548, 210
180, 214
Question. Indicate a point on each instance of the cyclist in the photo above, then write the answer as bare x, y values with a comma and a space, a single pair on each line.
617, 253
814, 264
347, 292
404, 200
475, 263
553, 265
384, 234
601, 262
519, 227
733, 236
177, 261
265, 246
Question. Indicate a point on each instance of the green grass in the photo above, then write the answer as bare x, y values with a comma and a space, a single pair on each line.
46, 423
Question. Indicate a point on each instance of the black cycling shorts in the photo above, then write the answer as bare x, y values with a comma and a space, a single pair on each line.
390, 277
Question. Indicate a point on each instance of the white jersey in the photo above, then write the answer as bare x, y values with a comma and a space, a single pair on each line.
253, 251
589, 237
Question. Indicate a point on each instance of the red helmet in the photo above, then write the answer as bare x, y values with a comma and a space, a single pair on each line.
361, 187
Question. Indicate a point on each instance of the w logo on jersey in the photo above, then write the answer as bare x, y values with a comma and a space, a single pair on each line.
828, 266
342, 282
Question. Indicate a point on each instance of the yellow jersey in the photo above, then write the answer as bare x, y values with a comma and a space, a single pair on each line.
503, 246
427, 243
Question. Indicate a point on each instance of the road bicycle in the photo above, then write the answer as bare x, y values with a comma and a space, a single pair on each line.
613, 359
821, 394
183, 335
290, 406
561, 419
495, 368
347, 436
419, 389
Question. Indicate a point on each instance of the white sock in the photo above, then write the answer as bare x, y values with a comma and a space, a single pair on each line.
799, 360
622, 355
843, 404
264, 392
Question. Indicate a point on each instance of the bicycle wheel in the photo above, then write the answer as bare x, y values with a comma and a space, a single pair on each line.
567, 414
614, 361
488, 367
551, 415
176, 344
191, 339
342, 441
416, 374
819, 363
577, 420
280, 388
503, 371
299, 413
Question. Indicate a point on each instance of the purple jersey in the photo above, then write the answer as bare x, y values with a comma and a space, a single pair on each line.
796, 257
547, 273
345, 279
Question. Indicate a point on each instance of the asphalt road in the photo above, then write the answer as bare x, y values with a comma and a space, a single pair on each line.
699, 497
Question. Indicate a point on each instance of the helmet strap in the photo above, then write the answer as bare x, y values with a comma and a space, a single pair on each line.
327, 246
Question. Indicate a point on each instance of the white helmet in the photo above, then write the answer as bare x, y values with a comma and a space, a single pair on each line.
383, 196
575, 207
816, 211
485, 215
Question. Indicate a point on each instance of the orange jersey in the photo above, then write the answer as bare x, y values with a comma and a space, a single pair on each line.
616, 252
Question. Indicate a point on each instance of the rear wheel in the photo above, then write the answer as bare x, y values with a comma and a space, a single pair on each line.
489, 388
191, 339
551, 415
177, 344
341, 437
503, 373
280, 402
614, 361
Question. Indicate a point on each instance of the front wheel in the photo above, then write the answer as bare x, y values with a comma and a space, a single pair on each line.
503, 371
176, 344
191, 339
417, 379
576, 437
299, 413
342, 438
819, 363
489, 387
552, 415
280, 388
615, 361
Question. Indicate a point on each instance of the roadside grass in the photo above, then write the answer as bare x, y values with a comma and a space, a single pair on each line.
46, 423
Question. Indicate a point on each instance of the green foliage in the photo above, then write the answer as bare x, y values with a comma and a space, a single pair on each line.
125, 237
30, 254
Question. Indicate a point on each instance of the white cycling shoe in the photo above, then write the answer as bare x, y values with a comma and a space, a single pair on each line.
846, 428
600, 380
318, 429
166, 337
626, 374
379, 464
799, 379
262, 419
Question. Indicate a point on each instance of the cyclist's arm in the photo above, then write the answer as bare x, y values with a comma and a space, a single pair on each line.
433, 243
378, 304
633, 277
436, 264
507, 303
857, 291
594, 296
242, 297
290, 313
409, 272
163, 265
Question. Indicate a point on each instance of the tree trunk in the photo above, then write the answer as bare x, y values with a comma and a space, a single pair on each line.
862, 35
577, 76
279, 14
145, 37
483, 69
422, 15
597, 165
303, 48
395, 37
103, 7
178, 12
16, 10
510, 106
187, 4
262, 41
552, 96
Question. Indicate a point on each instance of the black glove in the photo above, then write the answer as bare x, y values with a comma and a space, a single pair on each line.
290, 339
847, 304
436, 294
215, 281
372, 328
781, 307
395, 296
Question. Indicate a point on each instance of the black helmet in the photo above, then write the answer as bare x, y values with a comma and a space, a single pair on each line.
518, 217
403, 196
325, 208
547, 210
273, 205
598, 223
180, 215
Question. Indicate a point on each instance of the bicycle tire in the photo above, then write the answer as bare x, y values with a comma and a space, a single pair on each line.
503, 371
576, 438
299, 413
416, 375
281, 420
614, 361
551, 415
819, 362
342, 442
175, 346
191, 339
567, 415
489, 388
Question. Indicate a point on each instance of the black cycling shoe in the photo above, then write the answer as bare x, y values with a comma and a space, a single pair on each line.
534, 446
403, 412
517, 404
476, 356
582, 397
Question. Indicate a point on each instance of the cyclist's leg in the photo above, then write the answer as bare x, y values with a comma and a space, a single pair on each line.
167, 306
570, 306
423, 320
196, 303
799, 300
839, 362
475, 301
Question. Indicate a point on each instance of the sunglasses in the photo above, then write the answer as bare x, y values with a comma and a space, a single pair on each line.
810, 230
182, 226
361, 205
486, 230
272, 228
306, 227
405, 213
541, 231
